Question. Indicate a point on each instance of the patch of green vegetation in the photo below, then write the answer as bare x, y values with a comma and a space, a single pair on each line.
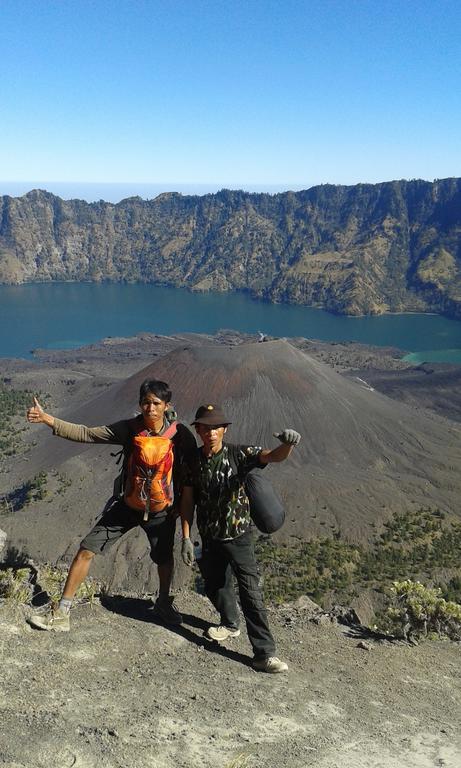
418, 611
15, 585
51, 580
30, 491
13, 403
452, 589
307, 568
420, 543
64, 482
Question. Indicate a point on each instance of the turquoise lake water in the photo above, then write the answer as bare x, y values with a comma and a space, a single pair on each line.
65, 315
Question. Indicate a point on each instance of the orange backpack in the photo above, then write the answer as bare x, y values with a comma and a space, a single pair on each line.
149, 472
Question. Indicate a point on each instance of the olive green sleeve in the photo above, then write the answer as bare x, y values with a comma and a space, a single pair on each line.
116, 434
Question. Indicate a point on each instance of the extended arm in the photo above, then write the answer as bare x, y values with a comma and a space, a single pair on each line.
288, 439
117, 433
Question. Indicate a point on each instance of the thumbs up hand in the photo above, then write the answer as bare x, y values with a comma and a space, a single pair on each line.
36, 414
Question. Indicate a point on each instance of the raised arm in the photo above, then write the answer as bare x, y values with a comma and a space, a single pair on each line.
289, 438
116, 434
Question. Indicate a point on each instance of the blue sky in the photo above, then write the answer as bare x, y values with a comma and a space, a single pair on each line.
252, 94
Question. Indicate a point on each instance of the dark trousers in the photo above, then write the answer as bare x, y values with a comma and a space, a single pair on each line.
220, 560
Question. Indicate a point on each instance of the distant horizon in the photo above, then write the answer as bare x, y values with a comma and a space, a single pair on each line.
114, 192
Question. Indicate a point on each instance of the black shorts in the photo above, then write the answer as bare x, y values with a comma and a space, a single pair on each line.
118, 519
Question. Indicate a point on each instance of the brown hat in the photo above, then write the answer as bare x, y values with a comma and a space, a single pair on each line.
212, 416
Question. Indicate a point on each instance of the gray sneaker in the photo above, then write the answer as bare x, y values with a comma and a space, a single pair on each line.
222, 633
272, 665
165, 610
52, 620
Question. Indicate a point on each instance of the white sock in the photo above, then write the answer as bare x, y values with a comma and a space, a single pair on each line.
65, 605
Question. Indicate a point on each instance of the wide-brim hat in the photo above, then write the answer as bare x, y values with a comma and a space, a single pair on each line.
211, 416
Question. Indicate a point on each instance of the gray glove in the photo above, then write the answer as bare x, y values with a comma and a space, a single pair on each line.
187, 552
288, 437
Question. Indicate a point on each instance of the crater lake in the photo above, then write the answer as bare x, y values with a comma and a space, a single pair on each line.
69, 315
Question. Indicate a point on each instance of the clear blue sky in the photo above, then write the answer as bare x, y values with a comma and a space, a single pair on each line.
229, 93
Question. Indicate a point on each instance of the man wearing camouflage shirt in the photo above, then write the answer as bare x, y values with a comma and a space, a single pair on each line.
215, 487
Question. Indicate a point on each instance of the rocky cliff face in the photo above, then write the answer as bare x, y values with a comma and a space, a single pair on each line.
393, 247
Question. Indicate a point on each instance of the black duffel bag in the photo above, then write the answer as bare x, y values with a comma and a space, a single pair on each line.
266, 508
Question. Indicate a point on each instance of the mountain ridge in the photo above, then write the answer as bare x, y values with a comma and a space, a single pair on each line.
362, 249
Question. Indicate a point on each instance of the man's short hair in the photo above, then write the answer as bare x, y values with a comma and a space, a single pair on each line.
155, 387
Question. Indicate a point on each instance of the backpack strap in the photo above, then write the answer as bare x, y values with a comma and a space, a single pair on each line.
123, 455
171, 431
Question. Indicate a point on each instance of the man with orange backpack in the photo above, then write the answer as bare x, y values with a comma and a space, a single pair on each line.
156, 452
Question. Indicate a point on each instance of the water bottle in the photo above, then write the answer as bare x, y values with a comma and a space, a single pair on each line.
198, 550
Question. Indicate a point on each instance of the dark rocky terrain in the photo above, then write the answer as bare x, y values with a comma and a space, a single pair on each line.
436, 386
362, 249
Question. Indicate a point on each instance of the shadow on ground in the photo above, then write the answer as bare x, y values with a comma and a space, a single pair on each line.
142, 610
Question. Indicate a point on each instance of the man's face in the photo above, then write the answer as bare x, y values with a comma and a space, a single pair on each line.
153, 411
211, 437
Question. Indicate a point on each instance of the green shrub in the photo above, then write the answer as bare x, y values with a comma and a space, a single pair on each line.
15, 585
420, 611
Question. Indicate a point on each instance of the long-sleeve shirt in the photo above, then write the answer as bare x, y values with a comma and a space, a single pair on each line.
122, 433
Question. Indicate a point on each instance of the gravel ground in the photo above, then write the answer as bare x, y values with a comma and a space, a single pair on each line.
120, 691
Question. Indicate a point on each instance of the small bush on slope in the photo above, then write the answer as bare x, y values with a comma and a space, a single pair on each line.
420, 611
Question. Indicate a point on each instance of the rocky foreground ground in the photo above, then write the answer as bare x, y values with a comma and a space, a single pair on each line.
121, 691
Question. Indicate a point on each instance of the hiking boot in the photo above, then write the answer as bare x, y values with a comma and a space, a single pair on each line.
272, 665
222, 633
52, 620
165, 610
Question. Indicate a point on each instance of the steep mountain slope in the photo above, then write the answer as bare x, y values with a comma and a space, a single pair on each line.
362, 457
394, 246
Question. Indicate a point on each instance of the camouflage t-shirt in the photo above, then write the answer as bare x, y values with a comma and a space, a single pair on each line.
223, 510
